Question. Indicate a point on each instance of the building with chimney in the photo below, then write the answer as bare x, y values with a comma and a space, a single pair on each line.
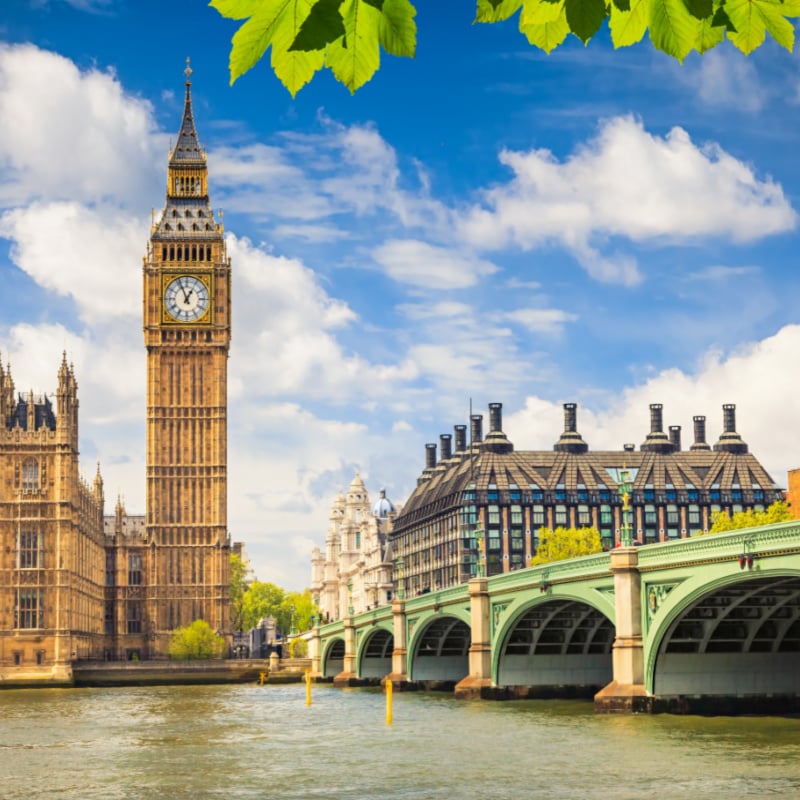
354, 574
479, 506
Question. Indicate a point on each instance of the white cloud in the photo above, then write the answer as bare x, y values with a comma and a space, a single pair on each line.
721, 274
91, 255
73, 135
428, 266
631, 184
724, 78
757, 378
287, 323
539, 320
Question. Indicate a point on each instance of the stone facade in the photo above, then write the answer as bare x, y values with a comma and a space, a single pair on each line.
74, 584
52, 547
478, 508
187, 331
355, 572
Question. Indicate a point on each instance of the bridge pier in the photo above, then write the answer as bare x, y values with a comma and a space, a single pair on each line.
480, 650
314, 649
348, 674
399, 674
626, 692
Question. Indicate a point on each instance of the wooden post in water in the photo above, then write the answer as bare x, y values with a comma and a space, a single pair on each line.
388, 702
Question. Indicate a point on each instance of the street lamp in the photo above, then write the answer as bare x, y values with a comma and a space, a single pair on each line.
350, 610
401, 589
624, 489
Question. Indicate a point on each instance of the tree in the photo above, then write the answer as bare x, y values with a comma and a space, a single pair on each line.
261, 600
196, 641
347, 36
722, 521
239, 569
563, 543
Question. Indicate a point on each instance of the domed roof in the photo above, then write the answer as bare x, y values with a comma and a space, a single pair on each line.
383, 506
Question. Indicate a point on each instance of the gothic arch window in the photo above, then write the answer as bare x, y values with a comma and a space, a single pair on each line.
195, 227
194, 249
188, 213
180, 226
174, 212
200, 213
208, 226
167, 227
208, 254
171, 252
30, 474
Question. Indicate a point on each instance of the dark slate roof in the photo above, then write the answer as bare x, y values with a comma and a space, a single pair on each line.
570, 469
44, 416
187, 147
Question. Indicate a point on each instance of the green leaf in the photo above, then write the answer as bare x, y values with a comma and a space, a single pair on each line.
722, 20
629, 27
375, 4
398, 31
708, 36
236, 9
544, 24
322, 26
753, 18
355, 64
622, 5
294, 68
700, 9
496, 10
585, 17
672, 28
274, 23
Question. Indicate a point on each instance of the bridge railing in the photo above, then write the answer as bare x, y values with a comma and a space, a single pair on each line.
778, 537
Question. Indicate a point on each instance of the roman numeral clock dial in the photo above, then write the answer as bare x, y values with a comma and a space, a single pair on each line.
187, 299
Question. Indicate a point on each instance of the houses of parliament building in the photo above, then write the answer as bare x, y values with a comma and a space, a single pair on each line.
76, 584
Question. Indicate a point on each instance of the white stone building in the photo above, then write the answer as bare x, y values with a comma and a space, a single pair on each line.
354, 574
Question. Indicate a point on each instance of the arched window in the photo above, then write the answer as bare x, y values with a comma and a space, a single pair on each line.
188, 213
30, 474
174, 212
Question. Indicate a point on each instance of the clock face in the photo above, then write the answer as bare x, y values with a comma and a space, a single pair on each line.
186, 298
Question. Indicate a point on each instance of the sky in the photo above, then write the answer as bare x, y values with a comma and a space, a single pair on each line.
483, 223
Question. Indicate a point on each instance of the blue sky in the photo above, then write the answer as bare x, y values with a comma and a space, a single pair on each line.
482, 223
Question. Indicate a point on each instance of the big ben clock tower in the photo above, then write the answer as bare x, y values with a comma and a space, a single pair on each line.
187, 331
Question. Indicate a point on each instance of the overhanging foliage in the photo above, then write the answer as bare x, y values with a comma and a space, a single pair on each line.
347, 36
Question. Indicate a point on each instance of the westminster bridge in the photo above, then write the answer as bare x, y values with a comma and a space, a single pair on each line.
710, 623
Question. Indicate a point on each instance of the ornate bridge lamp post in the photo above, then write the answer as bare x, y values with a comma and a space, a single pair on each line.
401, 587
350, 610
624, 489
480, 567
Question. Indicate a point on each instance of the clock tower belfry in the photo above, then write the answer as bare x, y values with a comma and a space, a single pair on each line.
187, 331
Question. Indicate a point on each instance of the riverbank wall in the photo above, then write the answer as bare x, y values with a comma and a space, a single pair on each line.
159, 673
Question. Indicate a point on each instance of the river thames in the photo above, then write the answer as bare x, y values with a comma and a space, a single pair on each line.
249, 741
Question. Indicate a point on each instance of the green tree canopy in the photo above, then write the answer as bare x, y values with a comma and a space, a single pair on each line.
722, 521
563, 543
261, 600
347, 36
196, 641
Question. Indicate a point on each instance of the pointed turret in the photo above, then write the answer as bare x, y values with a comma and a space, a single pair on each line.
187, 147
6, 396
